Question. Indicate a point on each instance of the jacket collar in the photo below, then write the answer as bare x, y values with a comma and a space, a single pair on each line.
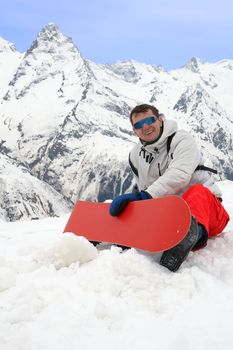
144, 143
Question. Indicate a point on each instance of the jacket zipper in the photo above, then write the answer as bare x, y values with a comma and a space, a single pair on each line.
159, 169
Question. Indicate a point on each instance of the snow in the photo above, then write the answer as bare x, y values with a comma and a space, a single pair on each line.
57, 291
9, 61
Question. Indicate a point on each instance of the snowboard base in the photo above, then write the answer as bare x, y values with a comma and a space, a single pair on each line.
152, 225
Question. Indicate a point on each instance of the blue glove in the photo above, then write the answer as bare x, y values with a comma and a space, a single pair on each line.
119, 203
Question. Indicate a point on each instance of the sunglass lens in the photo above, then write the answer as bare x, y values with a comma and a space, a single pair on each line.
148, 121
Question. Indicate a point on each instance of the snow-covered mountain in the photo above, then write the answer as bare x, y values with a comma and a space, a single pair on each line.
9, 62
65, 119
24, 196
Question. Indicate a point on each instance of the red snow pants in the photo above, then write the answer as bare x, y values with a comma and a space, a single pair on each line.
207, 209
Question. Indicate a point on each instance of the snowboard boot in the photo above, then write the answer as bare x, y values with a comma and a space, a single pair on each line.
203, 237
173, 258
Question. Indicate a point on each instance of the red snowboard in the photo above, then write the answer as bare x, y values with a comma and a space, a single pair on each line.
153, 225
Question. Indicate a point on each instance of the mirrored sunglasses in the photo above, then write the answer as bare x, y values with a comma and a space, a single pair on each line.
148, 121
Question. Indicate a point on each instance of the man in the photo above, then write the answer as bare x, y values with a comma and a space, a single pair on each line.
167, 161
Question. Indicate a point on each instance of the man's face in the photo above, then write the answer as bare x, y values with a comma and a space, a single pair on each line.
150, 132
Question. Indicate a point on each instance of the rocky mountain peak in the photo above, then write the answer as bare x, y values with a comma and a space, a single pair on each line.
194, 65
49, 32
51, 56
51, 40
132, 71
6, 46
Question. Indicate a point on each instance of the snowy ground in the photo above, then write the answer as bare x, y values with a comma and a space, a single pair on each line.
58, 292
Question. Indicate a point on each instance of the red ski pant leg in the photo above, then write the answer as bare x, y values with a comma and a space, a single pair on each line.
206, 208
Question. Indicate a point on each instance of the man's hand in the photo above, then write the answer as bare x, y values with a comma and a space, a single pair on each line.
119, 203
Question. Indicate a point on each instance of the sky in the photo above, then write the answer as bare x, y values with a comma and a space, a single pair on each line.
160, 32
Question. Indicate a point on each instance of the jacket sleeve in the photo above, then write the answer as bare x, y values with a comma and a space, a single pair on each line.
186, 157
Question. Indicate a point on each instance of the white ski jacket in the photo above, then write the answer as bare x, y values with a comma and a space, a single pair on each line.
162, 173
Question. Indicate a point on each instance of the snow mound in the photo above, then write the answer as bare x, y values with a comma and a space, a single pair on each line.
7, 278
64, 250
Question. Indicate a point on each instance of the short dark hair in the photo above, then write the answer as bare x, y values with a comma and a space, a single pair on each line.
142, 109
